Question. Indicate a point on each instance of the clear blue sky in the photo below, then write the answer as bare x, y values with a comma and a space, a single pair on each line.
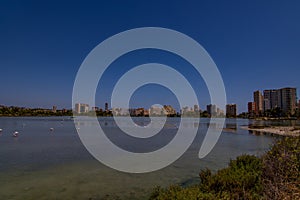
255, 44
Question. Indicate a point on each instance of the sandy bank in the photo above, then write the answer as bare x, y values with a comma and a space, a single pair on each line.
275, 130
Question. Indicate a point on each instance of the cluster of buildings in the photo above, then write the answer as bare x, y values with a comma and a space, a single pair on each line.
214, 111
81, 108
166, 110
282, 102
85, 108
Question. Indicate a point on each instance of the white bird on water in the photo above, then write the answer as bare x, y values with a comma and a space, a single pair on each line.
16, 134
0, 130
51, 129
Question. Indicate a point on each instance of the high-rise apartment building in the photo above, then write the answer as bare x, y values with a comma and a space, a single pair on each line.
106, 107
211, 110
251, 107
267, 105
271, 99
231, 110
77, 108
81, 108
298, 108
259, 102
54, 108
288, 98
196, 108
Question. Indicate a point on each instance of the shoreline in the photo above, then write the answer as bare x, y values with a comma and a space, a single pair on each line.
290, 131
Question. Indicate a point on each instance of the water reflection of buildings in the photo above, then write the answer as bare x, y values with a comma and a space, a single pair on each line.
231, 127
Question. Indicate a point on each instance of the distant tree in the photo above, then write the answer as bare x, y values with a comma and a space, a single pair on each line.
204, 114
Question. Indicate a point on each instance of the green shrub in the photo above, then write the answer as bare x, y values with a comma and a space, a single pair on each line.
178, 192
274, 176
240, 180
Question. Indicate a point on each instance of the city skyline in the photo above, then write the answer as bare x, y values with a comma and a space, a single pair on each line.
254, 44
258, 96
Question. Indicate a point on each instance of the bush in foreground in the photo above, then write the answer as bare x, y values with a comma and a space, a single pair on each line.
280, 173
274, 176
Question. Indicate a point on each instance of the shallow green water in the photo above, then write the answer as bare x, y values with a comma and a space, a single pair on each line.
40, 164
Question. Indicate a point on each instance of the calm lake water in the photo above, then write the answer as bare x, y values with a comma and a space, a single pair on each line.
44, 164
